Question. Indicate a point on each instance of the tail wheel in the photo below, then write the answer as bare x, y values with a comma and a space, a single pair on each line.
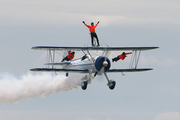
84, 85
67, 74
111, 84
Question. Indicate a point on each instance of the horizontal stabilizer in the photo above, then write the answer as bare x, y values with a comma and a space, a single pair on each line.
130, 70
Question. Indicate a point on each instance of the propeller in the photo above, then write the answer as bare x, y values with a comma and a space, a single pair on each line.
102, 63
105, 63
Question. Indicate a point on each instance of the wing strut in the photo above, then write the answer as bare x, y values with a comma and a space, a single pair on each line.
89, 54
105, 52
50, 57
134, 59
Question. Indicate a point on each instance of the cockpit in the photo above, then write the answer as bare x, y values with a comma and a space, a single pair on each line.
85, 57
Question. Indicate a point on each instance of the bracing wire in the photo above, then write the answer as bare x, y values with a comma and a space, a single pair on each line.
131, 60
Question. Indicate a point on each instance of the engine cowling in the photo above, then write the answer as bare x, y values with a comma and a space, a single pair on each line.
102, 61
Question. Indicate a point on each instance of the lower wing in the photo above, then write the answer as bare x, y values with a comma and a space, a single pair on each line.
61, 63
130, 70
59, 70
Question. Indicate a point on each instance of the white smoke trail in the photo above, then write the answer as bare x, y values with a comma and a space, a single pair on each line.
29, 86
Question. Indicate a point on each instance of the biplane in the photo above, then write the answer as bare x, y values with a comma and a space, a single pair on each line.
90, 64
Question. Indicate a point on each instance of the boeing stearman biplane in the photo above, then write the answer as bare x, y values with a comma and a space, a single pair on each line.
91, 64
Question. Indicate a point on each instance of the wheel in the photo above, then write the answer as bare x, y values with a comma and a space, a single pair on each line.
84, 85
67, 74
111, 84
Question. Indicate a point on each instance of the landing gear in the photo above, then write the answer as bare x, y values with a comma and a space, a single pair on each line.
85, 82
111, 84
84, 85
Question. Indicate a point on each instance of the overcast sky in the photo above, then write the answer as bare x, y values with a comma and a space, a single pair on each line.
152, 95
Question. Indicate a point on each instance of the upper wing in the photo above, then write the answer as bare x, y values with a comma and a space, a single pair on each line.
91, 48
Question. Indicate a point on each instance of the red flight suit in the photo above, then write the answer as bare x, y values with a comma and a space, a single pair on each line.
91, 28
123, 56
70, 55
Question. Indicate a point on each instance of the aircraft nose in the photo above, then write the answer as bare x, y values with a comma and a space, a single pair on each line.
105, 64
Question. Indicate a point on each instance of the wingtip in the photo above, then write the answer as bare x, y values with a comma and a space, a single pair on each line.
32, 47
